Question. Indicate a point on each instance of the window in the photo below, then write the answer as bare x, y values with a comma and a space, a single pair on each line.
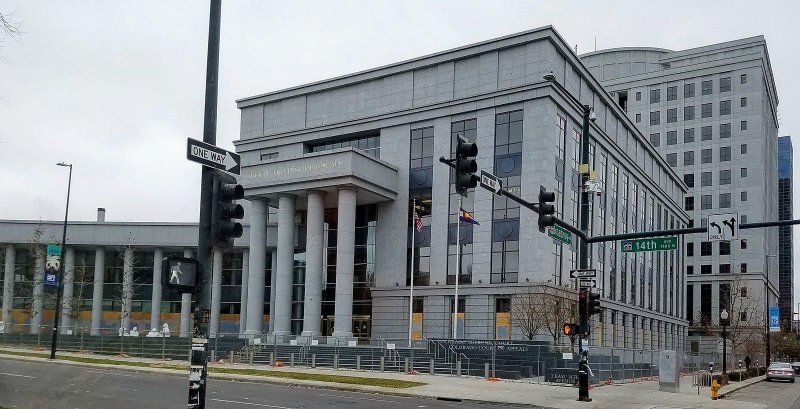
725, 177
743, 268
688, 158
690, 249
705, 179
743, 102
638, 118
705, 110
724, 131
688, 203
743, 316
725, 248
743, 126
743, 79
655, 139
705, 133
743, 172
743, 196
744, 244
743, 149
672, 159
705, 248
705, 269
638, 96
724, 200
369, 144
725, 84
688, 135
672, 115
505, 262
724, 268
708, 87
705, 202
743, 219
655, 96
705, 156
672, 93
421, 147
743, 292
725, 107
688, 90
268, 155
688, 178
672, 137
688, 113
724, 153
655, 118
508, 133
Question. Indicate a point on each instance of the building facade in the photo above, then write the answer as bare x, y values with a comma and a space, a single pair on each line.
711, 112
785, 258
331, 172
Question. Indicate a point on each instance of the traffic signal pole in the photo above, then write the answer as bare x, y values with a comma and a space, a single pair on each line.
197, 387
583, 251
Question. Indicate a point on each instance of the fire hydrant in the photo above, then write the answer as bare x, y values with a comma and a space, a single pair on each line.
714, 389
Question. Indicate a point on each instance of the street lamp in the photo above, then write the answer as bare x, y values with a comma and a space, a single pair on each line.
723, 320
59, 286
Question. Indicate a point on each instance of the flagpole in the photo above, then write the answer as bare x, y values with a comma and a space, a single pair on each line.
458, 263
411, 290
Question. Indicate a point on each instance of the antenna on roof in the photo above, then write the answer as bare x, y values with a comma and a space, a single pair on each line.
576, 49
595, 43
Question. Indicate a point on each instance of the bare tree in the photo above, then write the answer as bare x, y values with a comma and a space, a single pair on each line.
557, 306
525, 312
10, 25
746, 312
25, 289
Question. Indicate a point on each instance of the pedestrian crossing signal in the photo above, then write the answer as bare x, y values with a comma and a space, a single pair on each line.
571, 329
180, 273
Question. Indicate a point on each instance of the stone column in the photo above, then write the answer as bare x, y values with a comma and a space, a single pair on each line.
97, 292
315, 223
216, 292
155, 301
69, 281
127, 288
273, 267
243, 297
38, 291
283, 280
186, 308
254, 320
8, 288
345, 249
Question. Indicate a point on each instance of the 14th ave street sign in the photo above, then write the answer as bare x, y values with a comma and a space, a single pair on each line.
212, 156
654, 244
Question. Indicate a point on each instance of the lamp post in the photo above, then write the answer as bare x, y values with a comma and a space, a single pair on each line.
60, 285
723, 320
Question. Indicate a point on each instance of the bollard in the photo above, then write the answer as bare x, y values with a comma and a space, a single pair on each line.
431, 363
382, 358
272, 358
336, 361
231, 356
486, 370
458, 368
213, 355
291, 360
405, 364
358, 362
250, 357
313, 360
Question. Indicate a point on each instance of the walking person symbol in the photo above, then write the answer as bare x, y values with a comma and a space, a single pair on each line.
175, 274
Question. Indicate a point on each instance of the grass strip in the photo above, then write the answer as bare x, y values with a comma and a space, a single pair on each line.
342, 379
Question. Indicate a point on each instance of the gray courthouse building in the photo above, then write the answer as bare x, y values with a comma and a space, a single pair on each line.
711, 112
330, 171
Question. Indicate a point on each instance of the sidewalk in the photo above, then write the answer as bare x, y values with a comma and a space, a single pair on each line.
626, 396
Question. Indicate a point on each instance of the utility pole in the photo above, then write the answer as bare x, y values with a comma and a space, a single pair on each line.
197, 390
583, 250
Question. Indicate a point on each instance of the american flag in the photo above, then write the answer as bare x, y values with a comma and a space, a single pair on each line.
417, 221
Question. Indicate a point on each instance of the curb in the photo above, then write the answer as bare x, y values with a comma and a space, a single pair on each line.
276, 381
740, 387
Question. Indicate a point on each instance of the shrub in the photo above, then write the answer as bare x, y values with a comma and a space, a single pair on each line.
751, 372
737, 376
721, 379
762, 370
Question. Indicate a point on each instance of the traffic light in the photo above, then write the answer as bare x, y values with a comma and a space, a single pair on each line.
546, 209
466, 166
594, 304
224, 228
583, 317
571, 329
180, 273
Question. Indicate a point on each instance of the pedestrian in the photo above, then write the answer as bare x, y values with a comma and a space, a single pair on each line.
747, 362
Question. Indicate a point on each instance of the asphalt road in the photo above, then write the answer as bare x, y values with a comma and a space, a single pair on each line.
776, 394
30, 384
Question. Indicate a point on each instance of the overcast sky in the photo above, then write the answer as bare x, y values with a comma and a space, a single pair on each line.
116, 87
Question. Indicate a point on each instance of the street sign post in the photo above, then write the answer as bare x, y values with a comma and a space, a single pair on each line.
587, 283
490, 182
52, 264
723, 227
587, 273
774, 319
654, 244
209, 155
559, 233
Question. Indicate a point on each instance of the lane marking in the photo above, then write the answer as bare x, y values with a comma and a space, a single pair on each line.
355, 397
17, 375
263, 405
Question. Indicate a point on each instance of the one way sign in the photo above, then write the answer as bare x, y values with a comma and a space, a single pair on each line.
212, 156
723, 227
